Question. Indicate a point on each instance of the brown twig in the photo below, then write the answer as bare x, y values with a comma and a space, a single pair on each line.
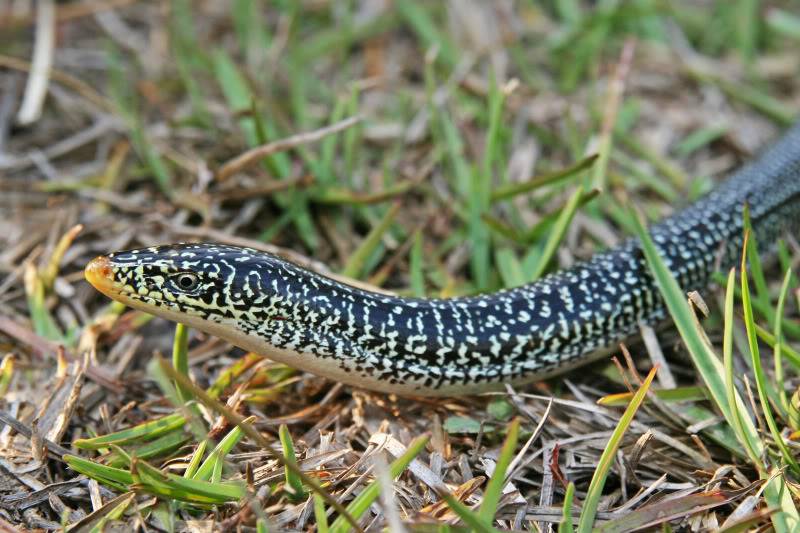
28, 433
72, 82
69, 11
252, 156
42, 346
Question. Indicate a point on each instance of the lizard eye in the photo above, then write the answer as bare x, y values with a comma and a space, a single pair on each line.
185, 281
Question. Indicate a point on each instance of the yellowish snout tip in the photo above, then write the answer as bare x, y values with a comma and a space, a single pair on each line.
98, 273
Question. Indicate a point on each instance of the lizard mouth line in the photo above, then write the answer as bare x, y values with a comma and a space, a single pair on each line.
98, 272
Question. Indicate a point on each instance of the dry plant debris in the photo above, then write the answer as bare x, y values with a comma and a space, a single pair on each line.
422, 148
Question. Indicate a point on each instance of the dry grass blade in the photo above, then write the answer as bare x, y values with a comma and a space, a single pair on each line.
586, 522
70, 81
616, 88
20, 428
69, 11
662, 512
254, 155
36, 88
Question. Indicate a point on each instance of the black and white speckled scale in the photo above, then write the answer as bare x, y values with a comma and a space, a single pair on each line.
460, 345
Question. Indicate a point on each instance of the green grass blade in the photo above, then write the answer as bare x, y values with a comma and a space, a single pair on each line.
785, 260
220, 451
707, 363
545, 225
748, 23
180, 356
293, 482
219, 462
678, 394
608, 456
257, 130
115, 477
320, 515
698, 139
469, 517
230, 374
569, 11
557, 233
237, 93
204, 398
759, 100
480, 190
761, 378
355, 264
352, 137
502, 229
509, 267
112, 510
416, 15
332, 195
155, 448
784, 22
367, 497
764, 308
340, 36
142, 432
756, 270
190, 490
494, 489
712, 373
736, 414
504, 192
194, 462
565, 526
6, 373
416, 267
325, 164
792, 355
632, 172
43, 322
161, 173
777, 352
189, 59
678, 178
